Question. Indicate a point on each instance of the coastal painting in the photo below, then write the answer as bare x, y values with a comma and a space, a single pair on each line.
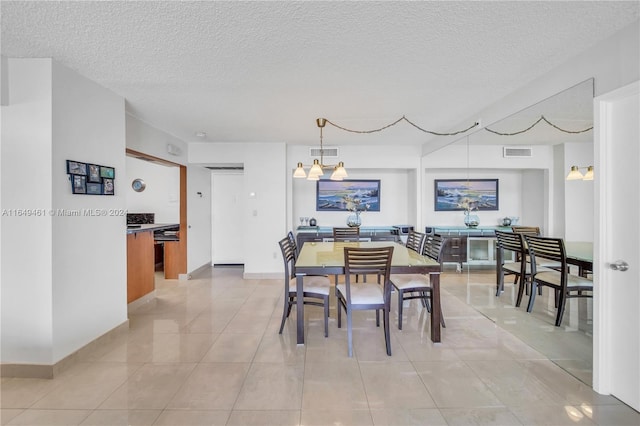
466, 194
348, 195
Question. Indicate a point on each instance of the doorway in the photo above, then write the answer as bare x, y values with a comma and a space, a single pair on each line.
227, 222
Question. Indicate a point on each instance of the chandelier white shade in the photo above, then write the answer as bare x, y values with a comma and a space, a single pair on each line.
317, 168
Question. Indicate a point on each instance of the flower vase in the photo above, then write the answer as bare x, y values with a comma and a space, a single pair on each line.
353, 220
471, 220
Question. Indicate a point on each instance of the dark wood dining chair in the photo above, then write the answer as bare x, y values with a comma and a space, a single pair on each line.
418, 286
564, 284
528, 230
292, 239
521, 269
366, 296
346, 234
316, 288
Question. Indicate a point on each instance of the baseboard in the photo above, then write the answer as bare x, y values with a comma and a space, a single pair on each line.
45, 371
201, 269
141, 301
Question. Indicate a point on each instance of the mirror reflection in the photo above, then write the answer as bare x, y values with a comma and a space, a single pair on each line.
531, 167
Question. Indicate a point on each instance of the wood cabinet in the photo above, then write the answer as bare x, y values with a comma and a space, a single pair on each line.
140, 265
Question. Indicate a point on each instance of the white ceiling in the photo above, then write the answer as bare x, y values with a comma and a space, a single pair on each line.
264, 71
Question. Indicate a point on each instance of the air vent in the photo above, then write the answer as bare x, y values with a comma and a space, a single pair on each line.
328, 152
225, 167
517, 152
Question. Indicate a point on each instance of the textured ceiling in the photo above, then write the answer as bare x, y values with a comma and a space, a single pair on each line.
264, 71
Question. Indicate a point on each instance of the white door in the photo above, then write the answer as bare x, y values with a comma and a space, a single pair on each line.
616, 360
227, 210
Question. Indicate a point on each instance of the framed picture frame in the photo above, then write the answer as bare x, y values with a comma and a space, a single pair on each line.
76, 168
94, 188
78, 184
107, 186
94, 173
466, 194
332, 195
107, 172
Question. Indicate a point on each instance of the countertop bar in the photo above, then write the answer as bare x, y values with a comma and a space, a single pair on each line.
152, 227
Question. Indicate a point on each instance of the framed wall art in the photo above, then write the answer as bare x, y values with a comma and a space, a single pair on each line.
466, 194
90, 179
347, 195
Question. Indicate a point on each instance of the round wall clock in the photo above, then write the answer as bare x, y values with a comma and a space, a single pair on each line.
138, 185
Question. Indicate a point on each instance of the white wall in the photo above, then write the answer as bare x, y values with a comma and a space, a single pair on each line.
89, 280
144, 138
27, 291
198, 217
265, 213
162, 193
63, 277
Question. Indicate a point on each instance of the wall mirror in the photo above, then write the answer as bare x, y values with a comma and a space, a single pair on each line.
544, 198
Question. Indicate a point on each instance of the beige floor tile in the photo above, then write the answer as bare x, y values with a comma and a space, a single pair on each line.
394, 385
50, 417
211, 386
121, 418
619, 415
557, 415
455, 384
23, 393
408, 417
333, 386
336, 416
480, 416
151, 387
264, 417
281, 348
192, 418
87, 386
233, 347
271, 386
8, 414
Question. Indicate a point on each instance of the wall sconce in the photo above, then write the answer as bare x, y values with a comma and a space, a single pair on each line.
575, 174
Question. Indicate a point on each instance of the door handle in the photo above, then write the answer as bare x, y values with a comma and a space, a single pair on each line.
619, 265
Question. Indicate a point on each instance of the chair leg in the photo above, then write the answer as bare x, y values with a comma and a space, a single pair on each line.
339, 306
326, 316
377, 317
521, 287
532, 295
561, 304
349, 332
499, 282
387, 335
285, 312
400, 303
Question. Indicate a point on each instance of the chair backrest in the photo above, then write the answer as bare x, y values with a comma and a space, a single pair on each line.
288, 256
369, 260
346, 234
512, 241
527, 230
415, 241
546, 248
433, 246
292, 240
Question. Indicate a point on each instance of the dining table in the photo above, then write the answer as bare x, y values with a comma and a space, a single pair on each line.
580, 253
327, 258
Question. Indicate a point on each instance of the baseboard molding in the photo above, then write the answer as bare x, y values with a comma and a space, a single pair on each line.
44, 371
141, 301
201, 269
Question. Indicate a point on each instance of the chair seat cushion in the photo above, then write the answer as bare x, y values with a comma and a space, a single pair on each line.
363, 293
404, 281
553, 277
313, 284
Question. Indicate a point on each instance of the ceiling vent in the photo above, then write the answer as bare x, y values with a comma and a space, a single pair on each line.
331, 152
225, 167
517, 151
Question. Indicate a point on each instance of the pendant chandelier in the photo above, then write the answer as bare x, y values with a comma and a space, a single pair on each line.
317, 168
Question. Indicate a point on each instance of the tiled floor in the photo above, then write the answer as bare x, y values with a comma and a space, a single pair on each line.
207, 352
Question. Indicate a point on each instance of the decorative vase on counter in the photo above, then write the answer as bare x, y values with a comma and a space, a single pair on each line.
353, 220
471, 220
313, 222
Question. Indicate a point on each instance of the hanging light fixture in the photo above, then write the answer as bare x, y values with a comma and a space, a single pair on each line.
318, 166
575, 173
